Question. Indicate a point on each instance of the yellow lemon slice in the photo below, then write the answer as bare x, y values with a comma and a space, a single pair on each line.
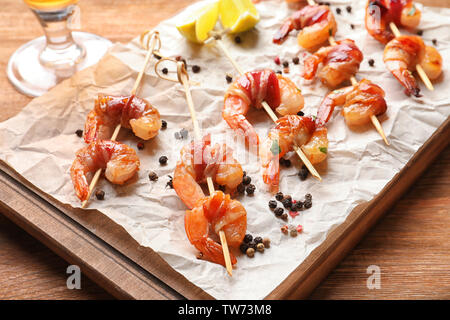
197, 23
238, 15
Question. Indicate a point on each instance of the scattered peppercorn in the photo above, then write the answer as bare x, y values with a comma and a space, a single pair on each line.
252, 244
297, 206
287, 197
250, 252
237, 39
153, 176
258, 240
244, 173
285, 64
250, 189
163, 160
286, 203
284, 216
419, 32
163, 124
79, 133
293, 232
140, 145
266, 242
371, 62
300, 113
295, 60
308, 196
286, 162
279, 72
177, 135
260, 247
338, 10
307, 204
165, 71
434, 41
240, 188
248, 238
352, 26
284, 229
243, 247
246, 180
229, 78
100, 194
272, 204
170, 183
348, 8
303, 173
299, 228
196, 69
279, 196
277, 60
278, 212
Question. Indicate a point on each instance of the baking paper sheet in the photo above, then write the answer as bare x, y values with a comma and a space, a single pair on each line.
40, 144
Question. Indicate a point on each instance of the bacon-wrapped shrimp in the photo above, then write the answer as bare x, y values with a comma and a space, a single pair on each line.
316, 24
129, 111
340, 63
212, 214
379, 13
291, 130
120, 161
359, 102
251, 89
200, 160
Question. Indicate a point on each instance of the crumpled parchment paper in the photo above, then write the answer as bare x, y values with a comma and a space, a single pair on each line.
40, 144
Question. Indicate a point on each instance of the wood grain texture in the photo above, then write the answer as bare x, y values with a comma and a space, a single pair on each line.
410, 244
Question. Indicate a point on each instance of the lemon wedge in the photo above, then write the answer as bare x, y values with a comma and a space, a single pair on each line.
238, 15
196, 25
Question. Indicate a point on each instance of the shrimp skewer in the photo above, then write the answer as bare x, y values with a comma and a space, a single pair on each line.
216, 213
200, 160
251, 89
153, 37
119, 160
341, 61
128, 111
380, 13
316, 24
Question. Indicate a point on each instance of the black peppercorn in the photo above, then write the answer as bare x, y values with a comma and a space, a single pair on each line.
170, 183
152, 176
240, 188
228, 78
295, 60
279, 72
286, 163
252, 244
246, 180
371, 62
434, 41
163, 160
348, 8
184, 133
258, 240
100, 194
165, 71
243, 247
272, 204
250, 189
284, 216
237, 39
79, 133
287, 198
297, 206
287, 203
278, 212
177, 135
163, 124
420, 32
307, 204
279, 196
248, 238
338, 10
352, 26
300, 113
308, 196
140, 145
303, 173
195, 69
285, 64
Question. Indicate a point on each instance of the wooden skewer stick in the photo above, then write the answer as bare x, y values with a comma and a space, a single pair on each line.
155, 40
184, 79
270, 112
419, 68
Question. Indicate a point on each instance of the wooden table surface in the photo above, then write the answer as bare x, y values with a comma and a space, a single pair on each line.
410, 244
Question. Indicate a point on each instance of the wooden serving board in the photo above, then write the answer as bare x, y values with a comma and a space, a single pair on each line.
108, 255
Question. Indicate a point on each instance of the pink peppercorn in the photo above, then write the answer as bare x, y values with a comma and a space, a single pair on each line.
299, 228
277, 60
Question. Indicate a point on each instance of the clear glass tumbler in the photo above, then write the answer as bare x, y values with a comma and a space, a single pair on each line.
41, 63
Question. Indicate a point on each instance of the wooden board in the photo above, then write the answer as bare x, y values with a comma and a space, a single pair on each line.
134, 273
